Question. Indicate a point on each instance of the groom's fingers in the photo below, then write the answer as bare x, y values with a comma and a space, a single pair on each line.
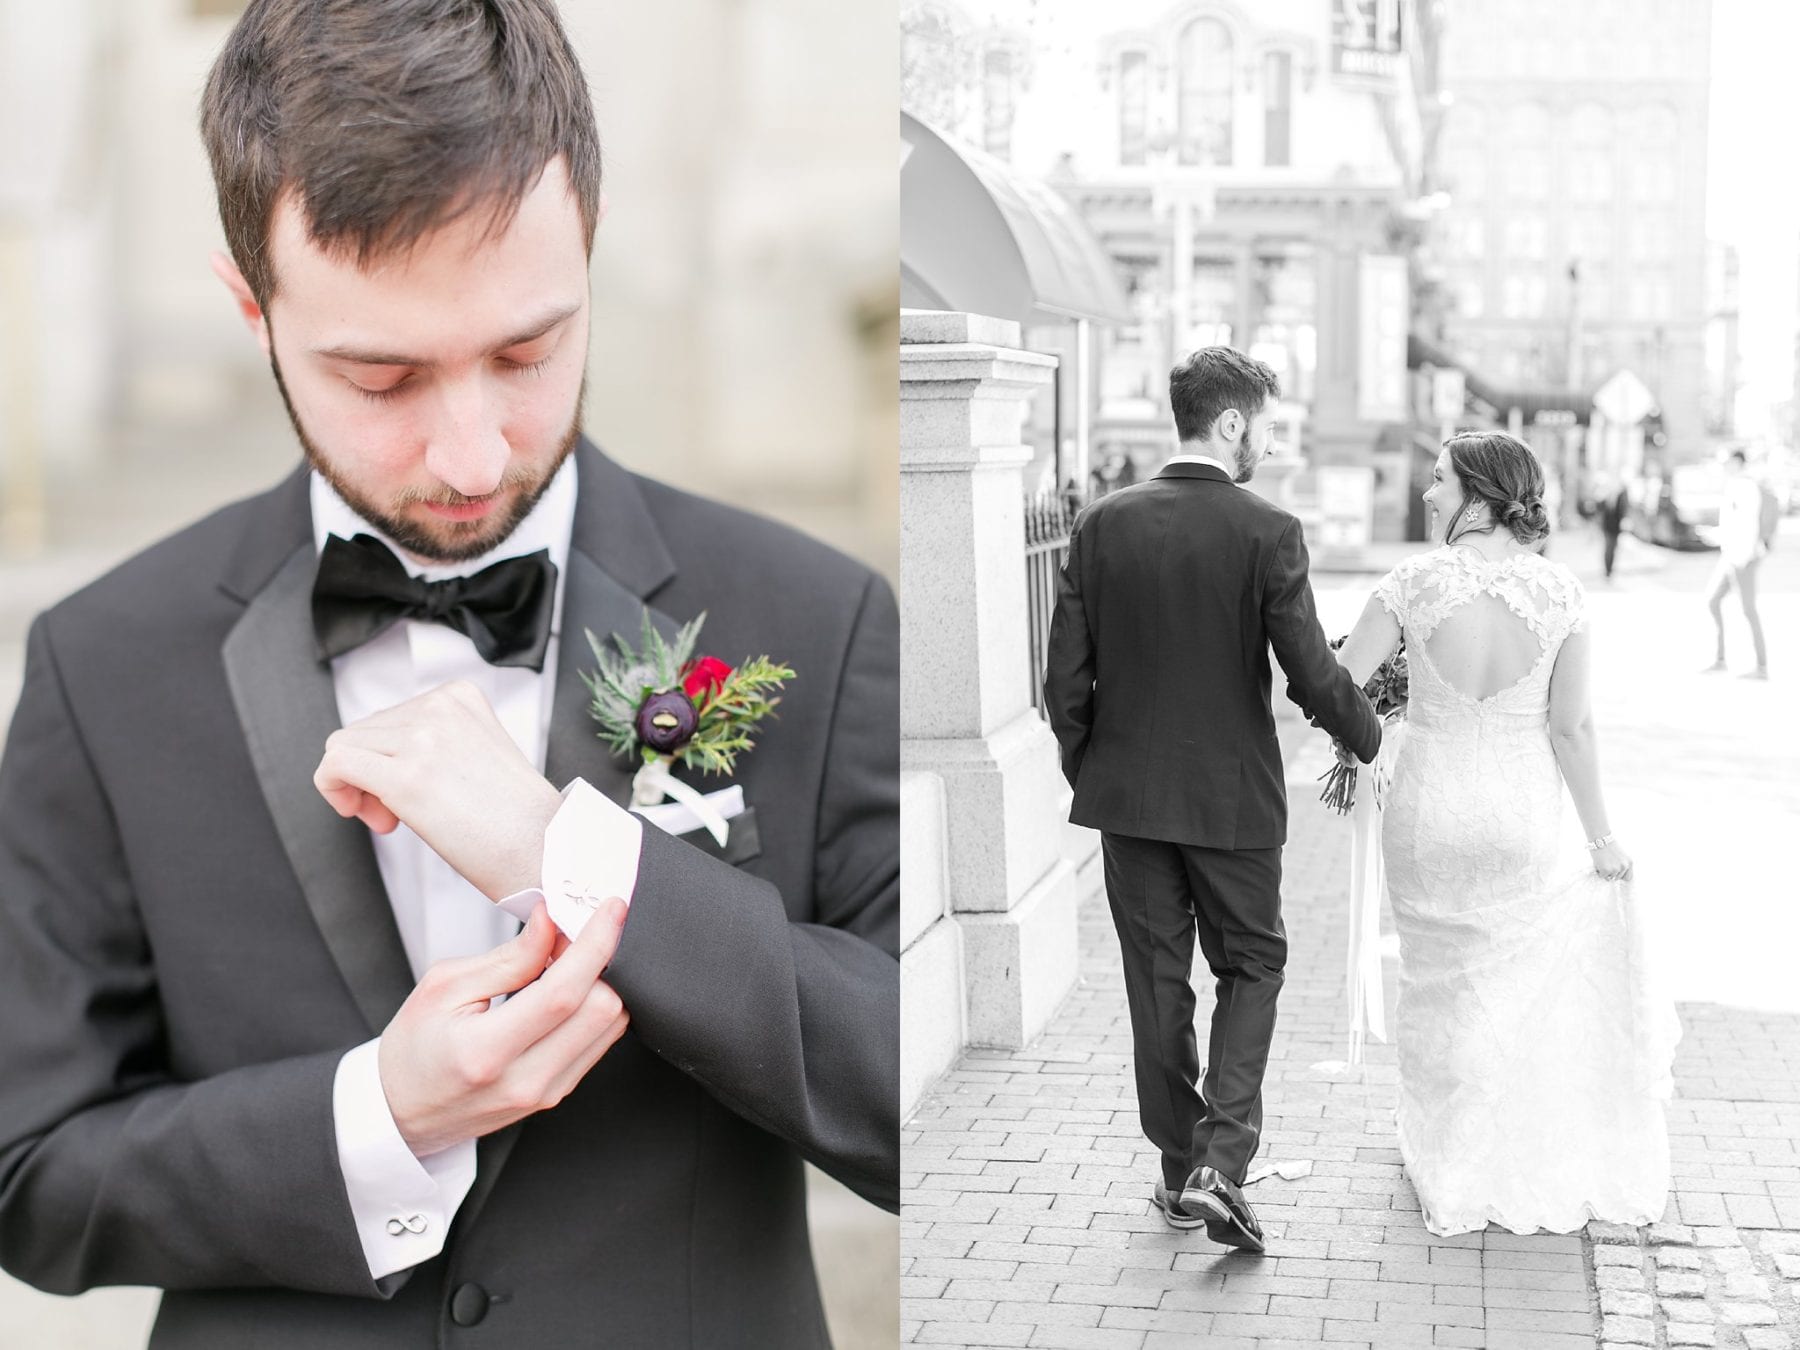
564, 989
471, 980
572, 1072
549, 1070
347, 772
349, 798
555, 995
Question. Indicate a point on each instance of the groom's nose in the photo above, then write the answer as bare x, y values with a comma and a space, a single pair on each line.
467, 451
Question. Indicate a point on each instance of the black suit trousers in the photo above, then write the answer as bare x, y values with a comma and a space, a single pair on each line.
1163, 895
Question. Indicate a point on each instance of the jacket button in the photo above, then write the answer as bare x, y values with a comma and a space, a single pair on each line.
468, 1305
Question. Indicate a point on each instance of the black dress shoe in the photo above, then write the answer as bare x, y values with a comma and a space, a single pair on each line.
1230, 1220
1173, 1211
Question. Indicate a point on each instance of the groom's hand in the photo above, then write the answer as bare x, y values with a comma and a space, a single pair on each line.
442, 764
453, 1068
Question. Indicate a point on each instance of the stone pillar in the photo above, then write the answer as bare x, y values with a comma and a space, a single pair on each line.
965, 710
934, 1011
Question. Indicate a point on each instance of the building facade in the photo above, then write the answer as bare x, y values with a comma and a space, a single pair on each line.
1573, 154
1246, 168
1724, 363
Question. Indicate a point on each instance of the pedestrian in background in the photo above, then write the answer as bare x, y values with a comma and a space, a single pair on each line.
1609, 510
1746, 533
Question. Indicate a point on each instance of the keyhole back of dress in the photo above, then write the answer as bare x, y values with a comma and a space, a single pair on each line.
1483, 647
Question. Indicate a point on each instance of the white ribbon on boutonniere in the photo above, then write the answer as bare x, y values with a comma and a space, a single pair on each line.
664, 706
652, 783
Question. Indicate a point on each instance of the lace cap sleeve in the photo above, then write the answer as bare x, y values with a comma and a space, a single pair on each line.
1394, 589
1562, 603
1572, 600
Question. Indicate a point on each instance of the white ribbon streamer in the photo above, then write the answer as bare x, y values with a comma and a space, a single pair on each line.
653, 782
1368, 891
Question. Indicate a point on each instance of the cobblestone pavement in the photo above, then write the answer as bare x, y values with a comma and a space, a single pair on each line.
1027, 1219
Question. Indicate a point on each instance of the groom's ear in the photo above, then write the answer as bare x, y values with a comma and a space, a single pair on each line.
227, 272
1229, 426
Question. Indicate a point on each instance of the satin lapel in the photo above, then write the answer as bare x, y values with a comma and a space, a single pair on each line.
287, 707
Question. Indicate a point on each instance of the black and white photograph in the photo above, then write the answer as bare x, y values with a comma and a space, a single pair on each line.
1349, 609
449, 806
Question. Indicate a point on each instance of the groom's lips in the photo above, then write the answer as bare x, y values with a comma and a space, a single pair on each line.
463, 511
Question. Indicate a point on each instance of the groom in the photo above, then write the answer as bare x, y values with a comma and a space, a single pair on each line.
1157, 687
267, 1041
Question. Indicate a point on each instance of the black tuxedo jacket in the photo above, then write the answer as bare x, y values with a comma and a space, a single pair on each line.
190, 939
1157, 682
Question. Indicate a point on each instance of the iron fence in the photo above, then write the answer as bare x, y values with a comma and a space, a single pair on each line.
1049, 518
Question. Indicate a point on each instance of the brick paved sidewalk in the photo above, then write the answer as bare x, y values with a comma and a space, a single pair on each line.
1027, 1219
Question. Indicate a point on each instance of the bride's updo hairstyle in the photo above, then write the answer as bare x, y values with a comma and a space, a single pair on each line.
1502, 471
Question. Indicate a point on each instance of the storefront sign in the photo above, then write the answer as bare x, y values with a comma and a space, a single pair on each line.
1366, 38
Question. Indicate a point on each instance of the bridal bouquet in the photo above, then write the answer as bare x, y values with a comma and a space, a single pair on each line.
664, 706
1386, 689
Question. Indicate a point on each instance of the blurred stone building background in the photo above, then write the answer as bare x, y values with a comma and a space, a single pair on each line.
744, 336
1251, 174
1424, 214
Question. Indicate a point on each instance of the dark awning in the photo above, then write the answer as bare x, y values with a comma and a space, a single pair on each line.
976, 235
1500, 401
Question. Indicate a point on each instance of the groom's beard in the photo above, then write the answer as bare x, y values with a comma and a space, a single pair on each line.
1246, 460
459, 541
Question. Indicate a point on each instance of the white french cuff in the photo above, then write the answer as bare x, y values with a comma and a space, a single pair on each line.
402, 1204
591, 852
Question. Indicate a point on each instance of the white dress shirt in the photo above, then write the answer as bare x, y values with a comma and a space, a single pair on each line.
1186, 458
403, 1205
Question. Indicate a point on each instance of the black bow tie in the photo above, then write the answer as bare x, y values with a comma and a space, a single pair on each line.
362, 590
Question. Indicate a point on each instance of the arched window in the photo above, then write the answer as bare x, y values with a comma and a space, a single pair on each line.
1134, 104
1206, 93
1278, 109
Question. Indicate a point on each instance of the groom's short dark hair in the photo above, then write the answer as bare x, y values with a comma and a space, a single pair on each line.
389, 118
1213, 379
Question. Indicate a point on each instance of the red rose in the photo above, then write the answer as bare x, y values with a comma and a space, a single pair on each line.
701, 679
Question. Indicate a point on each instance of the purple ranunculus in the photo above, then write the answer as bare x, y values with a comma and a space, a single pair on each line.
666, 721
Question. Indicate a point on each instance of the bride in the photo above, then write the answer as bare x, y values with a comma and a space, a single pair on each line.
1534, 1055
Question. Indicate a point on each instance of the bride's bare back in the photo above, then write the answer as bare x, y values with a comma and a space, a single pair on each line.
1487, 625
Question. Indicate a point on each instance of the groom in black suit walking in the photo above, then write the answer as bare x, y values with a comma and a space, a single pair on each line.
1157, 687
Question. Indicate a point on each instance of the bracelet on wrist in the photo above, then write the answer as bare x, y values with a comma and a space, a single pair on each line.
1600, 843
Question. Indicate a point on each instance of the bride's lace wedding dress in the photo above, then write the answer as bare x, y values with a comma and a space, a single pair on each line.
1534, 1052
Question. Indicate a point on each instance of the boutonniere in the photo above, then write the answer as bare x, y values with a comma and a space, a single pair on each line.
661, 705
